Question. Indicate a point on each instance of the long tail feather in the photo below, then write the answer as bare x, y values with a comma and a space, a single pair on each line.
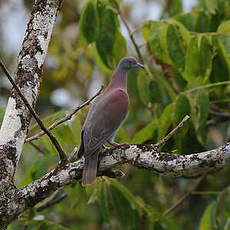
90, 169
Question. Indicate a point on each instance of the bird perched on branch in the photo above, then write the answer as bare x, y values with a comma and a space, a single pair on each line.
104, 118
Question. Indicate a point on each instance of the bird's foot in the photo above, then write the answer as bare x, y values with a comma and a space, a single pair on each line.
116, 145
105, 147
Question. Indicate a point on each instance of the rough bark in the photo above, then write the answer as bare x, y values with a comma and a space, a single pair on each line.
28, 76
141, 156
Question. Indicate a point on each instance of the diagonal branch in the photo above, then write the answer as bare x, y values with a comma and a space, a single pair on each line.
129, 32
64, 119
28, 75
175, 130
36, 117
185, 196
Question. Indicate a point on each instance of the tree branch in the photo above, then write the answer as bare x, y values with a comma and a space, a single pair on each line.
64, 119
141, 156
185, 196
129, 32
28, 76
175, 130
55, 198
36, 117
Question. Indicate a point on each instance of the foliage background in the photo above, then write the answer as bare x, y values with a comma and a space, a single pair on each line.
188, 60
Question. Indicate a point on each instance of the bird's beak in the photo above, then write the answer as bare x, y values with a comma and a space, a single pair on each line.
140, 65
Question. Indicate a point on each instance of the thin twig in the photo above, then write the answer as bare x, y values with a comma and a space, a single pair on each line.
38, 148
129, 32
64, 119
175, 130
36, 117
206, 192
220, 114
185, 196
55, 198
207, 86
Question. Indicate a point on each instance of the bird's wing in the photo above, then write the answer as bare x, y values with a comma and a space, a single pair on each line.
103, 119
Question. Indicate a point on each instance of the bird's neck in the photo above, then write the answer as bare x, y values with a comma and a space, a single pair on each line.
119, 80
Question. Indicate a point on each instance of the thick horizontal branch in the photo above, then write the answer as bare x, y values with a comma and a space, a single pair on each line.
141, 156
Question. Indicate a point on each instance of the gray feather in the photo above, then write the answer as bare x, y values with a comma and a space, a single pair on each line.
90, 169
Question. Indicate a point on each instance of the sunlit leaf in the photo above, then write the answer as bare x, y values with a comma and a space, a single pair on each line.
223, 209
2, 112
198, 60
157, 39
143, 87
182, 108
208, 219
165, 121
176, 48
224, 27
209, 5
145, 134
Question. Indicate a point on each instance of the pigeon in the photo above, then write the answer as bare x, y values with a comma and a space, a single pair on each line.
106, 115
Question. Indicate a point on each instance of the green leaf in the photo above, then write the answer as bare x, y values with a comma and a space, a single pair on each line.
103, 200
182, 108
62, 132
122, 208
188, 20
208, 219
165, 85
165, 121
119, 48
222, 43
176, 7
202, 108
155, 92
110, 44
198, 60
203, 22
89, 23
155, 34
2, 112
206, 55
43, 225
135, 201
192, 57
176, 48
199, 101
209, 5
143, 86
145, 134
223, 209
224, 27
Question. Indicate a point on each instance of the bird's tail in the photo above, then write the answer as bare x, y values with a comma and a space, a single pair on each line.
90, 169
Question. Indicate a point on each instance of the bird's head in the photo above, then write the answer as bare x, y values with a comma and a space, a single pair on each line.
128, 63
